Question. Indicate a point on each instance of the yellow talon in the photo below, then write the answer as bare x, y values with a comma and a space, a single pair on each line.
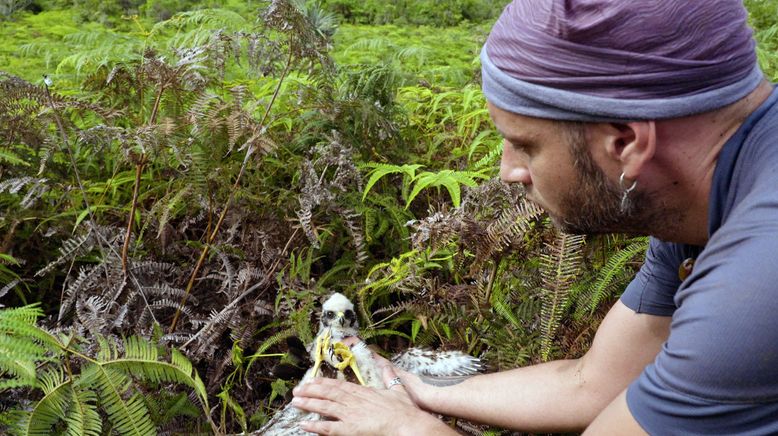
347, 360
322, 344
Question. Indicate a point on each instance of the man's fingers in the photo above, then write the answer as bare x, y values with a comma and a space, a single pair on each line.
322, 407
319, 427
325, 388
381, 361
391, 380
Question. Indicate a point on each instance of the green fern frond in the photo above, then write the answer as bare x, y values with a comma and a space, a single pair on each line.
487, 145
128, 415
609, 274
398, 217
500, 303
379, 170
12, 158
201, 19
52, 407
450, 179
22, 346
111, 49
269, 342
141, 359
559, 269
369, 45
62, 402
82, 417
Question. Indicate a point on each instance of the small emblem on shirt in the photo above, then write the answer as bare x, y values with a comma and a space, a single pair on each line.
685, 270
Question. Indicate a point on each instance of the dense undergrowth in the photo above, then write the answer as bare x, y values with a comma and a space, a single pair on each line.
184, 187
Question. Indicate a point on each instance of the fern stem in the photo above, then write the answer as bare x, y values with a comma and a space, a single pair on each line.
67, 359
490, 285
155, 108
136, 188
133, 207
228, 203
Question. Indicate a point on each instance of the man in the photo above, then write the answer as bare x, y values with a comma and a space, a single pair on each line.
645, 117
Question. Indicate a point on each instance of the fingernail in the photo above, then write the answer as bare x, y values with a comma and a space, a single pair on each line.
296, 400
296, 391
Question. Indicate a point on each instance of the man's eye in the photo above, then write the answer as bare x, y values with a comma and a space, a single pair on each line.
520, 146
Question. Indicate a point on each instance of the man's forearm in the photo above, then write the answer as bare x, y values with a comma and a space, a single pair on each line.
564, 395
554, 396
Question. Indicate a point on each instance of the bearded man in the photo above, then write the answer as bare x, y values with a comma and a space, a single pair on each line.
644, 117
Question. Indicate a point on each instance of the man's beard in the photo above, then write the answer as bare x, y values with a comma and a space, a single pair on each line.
593, 204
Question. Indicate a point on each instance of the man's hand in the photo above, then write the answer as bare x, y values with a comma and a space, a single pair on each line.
359, 410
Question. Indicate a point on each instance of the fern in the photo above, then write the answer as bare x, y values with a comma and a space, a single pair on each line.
61, 401
22, 346
500, 304
12, 158
82, 417
559, 269
608, 276
379, 170
105, 382
450, 179
128, 415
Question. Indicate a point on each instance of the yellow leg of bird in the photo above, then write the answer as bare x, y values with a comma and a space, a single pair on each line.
322, 344
347, 360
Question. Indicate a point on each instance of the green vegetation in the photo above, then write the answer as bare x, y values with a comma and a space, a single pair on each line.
417, 12
177, 200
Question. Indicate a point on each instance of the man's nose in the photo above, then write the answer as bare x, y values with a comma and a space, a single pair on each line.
513, 166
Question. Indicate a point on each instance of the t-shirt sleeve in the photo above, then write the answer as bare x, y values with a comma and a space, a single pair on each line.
718, 371
654, 287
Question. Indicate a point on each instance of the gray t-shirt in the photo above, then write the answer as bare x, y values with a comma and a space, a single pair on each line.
718, 371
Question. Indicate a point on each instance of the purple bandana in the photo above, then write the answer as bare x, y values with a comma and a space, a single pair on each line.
599, 60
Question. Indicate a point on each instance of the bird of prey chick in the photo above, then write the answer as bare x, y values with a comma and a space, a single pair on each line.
332, 358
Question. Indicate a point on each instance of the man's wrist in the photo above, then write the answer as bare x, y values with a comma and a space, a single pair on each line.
424, 423
424, 395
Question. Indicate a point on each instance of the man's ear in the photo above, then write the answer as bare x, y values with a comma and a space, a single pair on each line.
632, 145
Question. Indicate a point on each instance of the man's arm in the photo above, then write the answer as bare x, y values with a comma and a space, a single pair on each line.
564, 395
615, 420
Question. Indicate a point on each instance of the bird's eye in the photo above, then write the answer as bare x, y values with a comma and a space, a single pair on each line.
329, 314
350, 314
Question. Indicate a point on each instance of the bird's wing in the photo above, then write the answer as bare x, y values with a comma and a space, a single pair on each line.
437, 363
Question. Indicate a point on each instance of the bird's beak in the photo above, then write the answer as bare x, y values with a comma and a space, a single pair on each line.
341, 319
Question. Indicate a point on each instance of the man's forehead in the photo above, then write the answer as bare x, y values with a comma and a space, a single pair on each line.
520, 127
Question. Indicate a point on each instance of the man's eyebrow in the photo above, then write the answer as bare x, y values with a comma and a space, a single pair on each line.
517, 139
512, 137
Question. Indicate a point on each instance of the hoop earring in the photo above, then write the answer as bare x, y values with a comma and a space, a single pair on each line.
625, 195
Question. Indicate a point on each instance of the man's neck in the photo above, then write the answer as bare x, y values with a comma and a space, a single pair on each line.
693, 146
